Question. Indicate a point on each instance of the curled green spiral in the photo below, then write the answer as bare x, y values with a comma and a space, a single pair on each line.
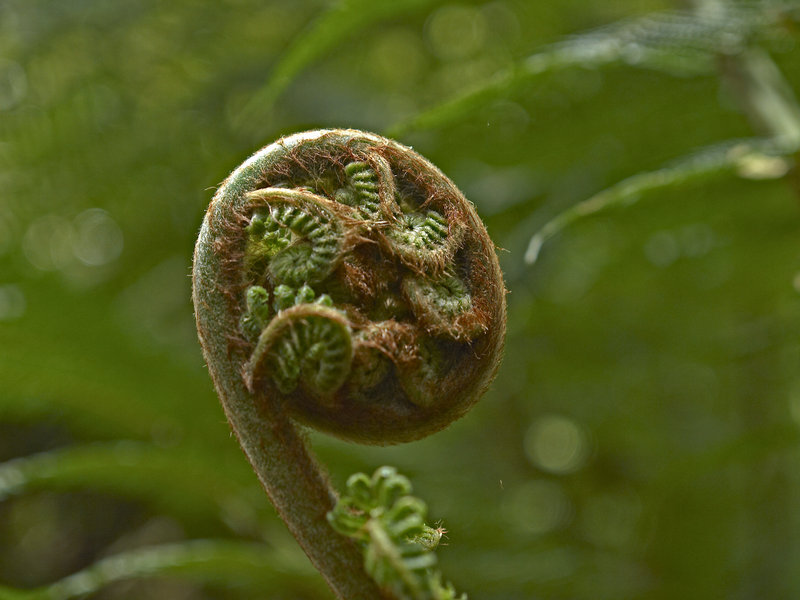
308, 345
419, 232
362, 190
308, 236
443, 305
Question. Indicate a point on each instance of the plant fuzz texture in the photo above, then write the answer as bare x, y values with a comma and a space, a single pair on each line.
343, 282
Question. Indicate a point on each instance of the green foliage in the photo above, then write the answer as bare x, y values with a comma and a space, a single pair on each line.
343, 20
640, 440
251, 566
389, 522
750, 159
679, 43
312, 348
160, 477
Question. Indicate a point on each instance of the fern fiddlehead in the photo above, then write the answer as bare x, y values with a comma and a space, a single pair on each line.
342, 282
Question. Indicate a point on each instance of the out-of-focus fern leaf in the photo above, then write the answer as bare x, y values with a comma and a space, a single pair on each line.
88, 372
751, 159
244, 566
344, 20
679, 43
7, 593
180, 481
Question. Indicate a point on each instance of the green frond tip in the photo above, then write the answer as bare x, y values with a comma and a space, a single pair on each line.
749, 159
419, 231
389, 523
286, 297
362, 190
257, 313
312, 236
265, 239
443, 305
430, 537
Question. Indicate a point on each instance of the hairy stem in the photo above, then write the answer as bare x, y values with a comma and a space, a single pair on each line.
296, 484
300, 491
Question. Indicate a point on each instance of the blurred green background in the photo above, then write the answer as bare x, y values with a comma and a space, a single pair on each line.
641, 439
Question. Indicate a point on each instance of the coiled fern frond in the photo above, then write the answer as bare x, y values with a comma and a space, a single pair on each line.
343, 282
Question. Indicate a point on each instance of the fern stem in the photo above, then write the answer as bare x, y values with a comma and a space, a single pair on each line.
300, 491
295, 483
